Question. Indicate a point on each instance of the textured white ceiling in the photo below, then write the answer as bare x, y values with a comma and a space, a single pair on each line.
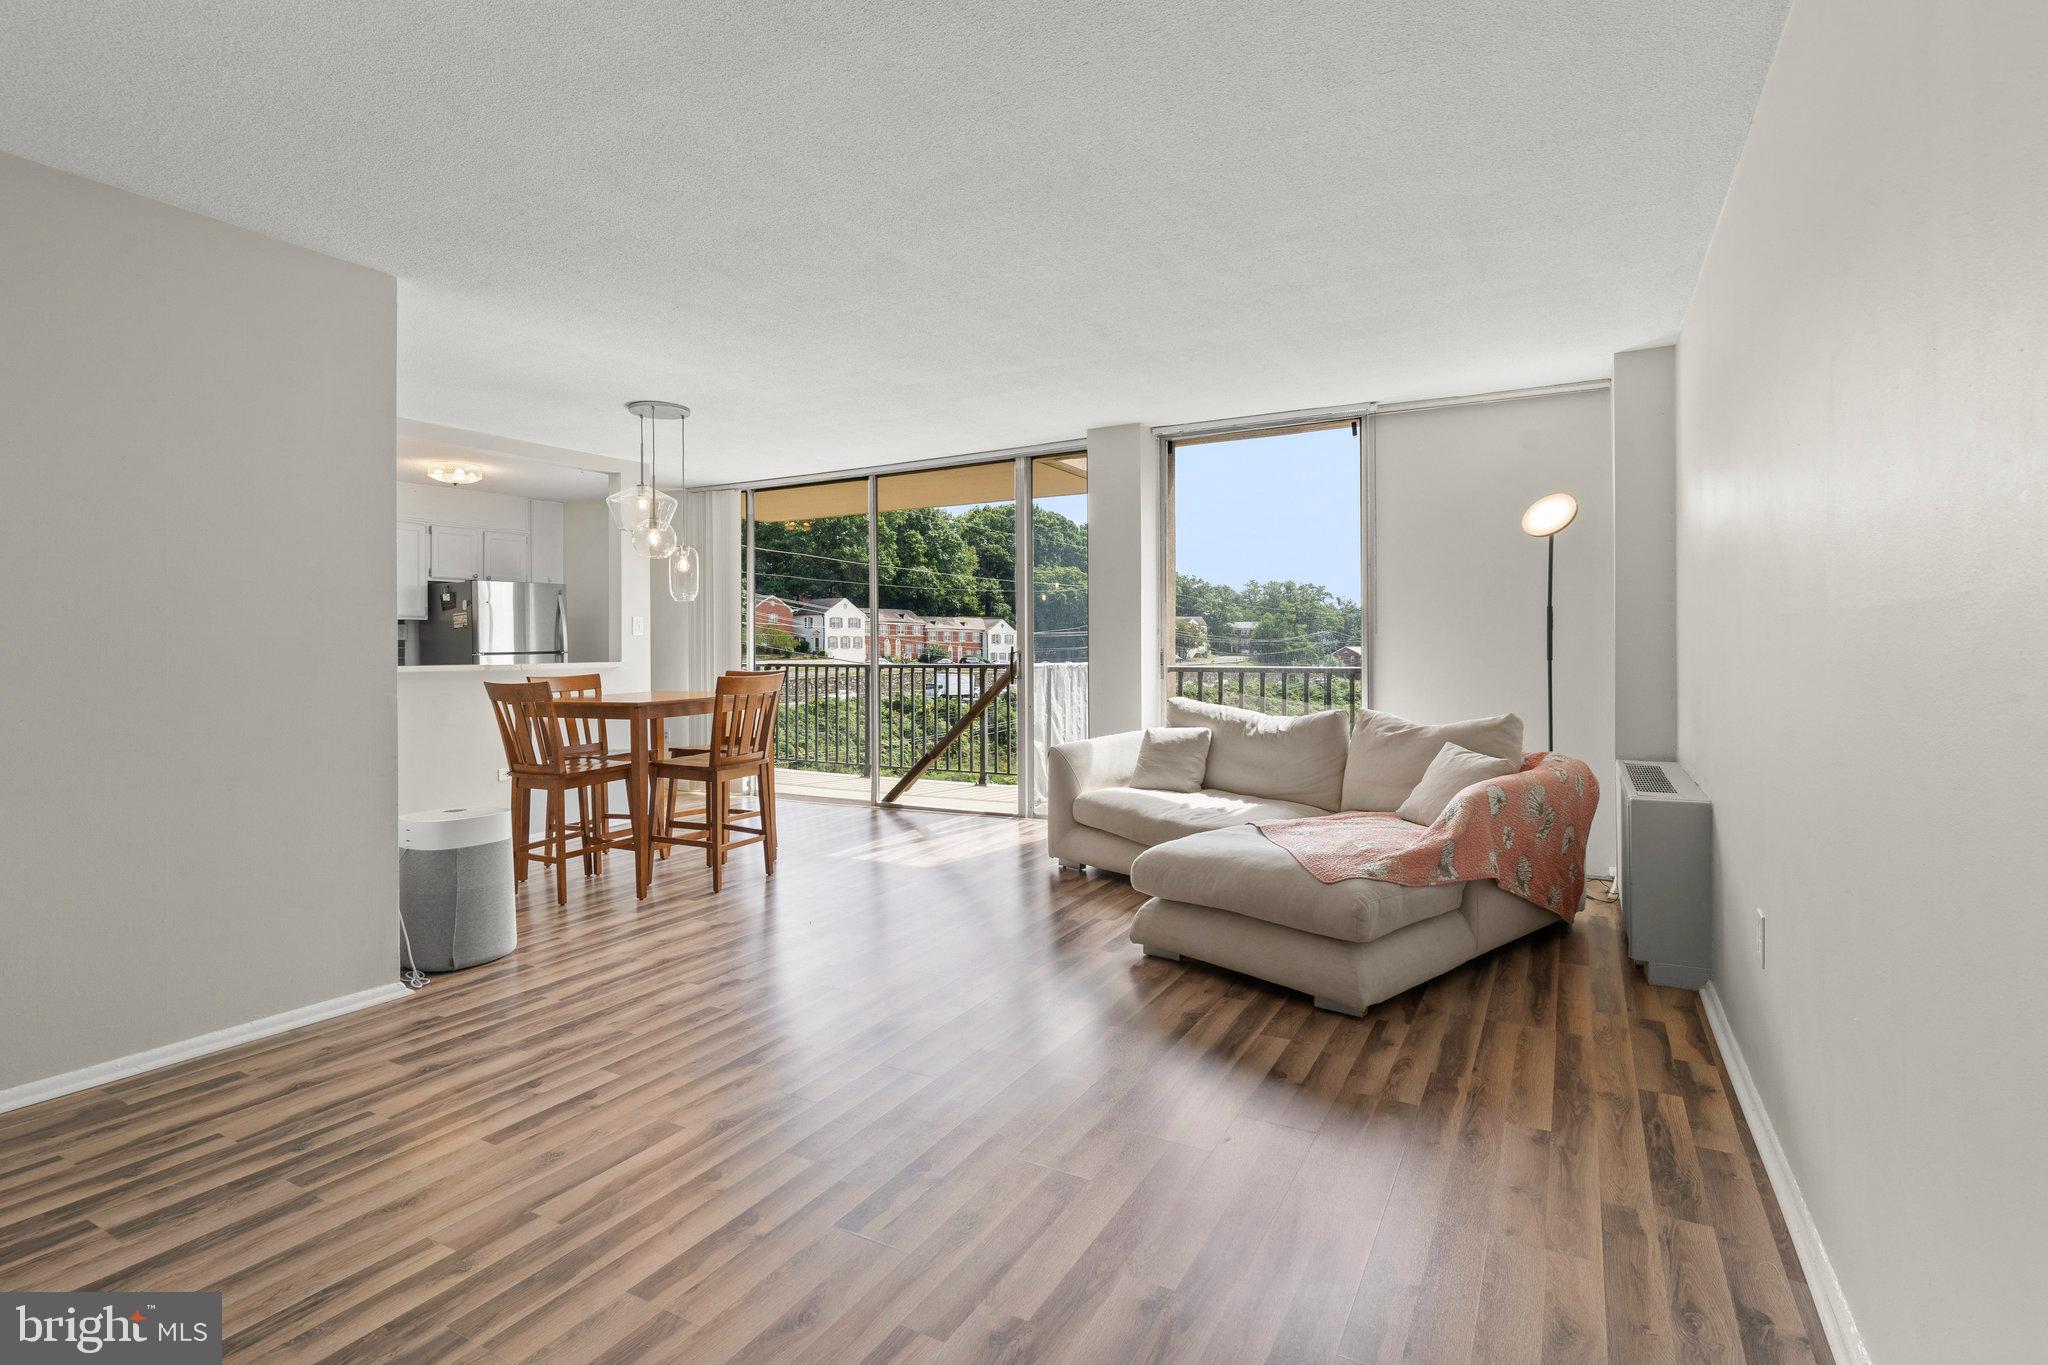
888, 230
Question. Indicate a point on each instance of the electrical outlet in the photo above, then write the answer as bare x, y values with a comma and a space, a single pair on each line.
639, 625
1760, 922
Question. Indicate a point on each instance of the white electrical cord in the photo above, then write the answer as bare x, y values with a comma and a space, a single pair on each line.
412, 978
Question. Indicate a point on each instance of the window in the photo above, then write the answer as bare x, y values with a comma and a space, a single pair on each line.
1059, 607
1267, 576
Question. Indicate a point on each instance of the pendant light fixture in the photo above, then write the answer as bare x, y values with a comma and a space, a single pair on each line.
633, 508
685, 575
646, 513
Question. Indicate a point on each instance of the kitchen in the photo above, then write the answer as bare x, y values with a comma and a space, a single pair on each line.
507, 566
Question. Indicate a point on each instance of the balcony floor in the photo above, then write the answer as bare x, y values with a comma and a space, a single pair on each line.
927, 794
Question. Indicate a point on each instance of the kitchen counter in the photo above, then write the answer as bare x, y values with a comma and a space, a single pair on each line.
540, 669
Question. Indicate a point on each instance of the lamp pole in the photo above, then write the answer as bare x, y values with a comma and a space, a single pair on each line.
1550, 643
1545, 518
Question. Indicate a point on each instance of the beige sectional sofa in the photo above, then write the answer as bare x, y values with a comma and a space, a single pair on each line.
1221, 892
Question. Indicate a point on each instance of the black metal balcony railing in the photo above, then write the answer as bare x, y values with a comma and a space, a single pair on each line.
1275, 689
823, 723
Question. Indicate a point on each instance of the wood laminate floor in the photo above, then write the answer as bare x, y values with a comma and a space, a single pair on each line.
918, 1098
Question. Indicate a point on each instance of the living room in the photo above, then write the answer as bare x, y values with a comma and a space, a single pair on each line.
1149, 564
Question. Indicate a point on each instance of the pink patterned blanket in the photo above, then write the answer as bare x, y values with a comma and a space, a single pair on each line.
1527, 832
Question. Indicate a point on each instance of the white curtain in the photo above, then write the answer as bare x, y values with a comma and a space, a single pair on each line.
696, 641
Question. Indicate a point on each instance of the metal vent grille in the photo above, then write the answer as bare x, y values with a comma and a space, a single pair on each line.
1649, 777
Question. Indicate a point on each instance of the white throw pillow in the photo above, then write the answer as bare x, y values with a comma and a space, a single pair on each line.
1389, 755
1282, 758
1172, 759
1452, 770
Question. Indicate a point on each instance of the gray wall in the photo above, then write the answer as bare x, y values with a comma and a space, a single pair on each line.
1460, 592
196, 443
1863, 568
1646, 553
590, 568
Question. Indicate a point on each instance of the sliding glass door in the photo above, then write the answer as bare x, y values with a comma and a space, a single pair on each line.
946, 628
901, 609
810, 603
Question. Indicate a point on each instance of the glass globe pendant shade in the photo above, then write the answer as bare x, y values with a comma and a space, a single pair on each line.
654, 540
642, 502
684, 574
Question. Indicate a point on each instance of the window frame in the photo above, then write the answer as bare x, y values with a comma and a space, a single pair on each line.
1361, 422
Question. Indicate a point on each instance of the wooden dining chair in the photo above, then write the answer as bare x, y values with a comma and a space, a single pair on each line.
742, 746
536, 753
584, 737
670, 801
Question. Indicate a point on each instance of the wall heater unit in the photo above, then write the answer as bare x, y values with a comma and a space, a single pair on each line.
1665, 877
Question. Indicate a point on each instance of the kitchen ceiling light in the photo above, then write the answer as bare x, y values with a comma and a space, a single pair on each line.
454, 473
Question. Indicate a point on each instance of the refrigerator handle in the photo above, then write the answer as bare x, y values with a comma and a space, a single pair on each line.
483, 624
562, 624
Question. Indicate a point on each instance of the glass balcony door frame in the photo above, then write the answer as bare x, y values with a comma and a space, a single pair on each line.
1022, 598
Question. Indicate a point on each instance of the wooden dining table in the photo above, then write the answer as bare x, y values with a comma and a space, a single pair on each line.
647, 712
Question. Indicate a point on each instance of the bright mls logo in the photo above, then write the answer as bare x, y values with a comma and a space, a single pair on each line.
172, 1329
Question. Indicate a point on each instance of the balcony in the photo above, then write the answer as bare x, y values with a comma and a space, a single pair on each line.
821, 734
1274, 689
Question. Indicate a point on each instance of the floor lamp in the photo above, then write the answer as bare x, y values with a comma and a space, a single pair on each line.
1547, 516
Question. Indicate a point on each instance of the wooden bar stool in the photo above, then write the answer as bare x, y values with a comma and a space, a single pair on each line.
583, 737
535, 752
668, 800
742, 746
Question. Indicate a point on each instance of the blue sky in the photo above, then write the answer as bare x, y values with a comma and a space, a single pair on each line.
1274, 507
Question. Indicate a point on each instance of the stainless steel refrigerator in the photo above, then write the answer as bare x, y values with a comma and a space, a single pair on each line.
483, 621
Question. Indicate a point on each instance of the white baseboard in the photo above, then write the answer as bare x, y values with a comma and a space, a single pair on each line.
49, 1088
1828, 1300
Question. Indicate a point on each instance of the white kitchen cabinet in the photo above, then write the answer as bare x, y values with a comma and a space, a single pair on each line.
412, 571
547, 541
458, 552
507, 558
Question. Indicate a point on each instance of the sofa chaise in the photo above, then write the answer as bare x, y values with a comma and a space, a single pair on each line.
1223, 893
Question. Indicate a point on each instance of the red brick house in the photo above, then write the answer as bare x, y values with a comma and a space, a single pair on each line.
903, 633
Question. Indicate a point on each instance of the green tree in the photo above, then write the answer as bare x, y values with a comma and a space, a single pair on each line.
925, 564
806, 561
1296, 622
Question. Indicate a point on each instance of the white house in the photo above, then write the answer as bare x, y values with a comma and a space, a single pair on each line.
999, 641
837, 629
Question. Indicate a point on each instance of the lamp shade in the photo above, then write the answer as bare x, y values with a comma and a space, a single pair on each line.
1550, 514
685, 574
631, 506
